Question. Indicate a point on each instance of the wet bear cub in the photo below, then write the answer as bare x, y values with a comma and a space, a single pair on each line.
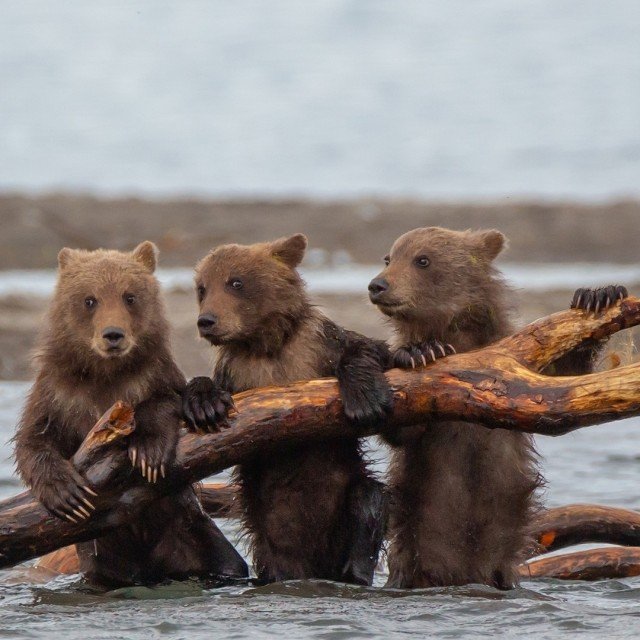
463, 495
105, 338
312, 511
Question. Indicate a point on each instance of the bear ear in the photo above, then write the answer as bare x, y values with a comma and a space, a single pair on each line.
146, 253
492, 242
65, 256
289, 250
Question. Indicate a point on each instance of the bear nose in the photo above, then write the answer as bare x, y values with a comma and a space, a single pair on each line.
113, 335
377, 287
206, 322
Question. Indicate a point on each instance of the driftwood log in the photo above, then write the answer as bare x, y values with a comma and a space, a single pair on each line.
498, 386
592, 564
586, 523
583, 523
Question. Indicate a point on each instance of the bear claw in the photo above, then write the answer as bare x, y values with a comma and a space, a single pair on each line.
406, 357
599, 299
65, 498
148, 471
206, 406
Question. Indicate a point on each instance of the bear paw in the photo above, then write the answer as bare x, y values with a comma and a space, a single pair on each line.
415, 355
151, 454
152, 446
66, 495
367, 398
205, 405
597, 300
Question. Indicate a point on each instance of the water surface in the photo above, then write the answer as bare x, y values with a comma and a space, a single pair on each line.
450, 99
347, 278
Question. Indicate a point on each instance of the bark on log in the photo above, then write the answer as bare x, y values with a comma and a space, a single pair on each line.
593, 564
498, 386
586, 523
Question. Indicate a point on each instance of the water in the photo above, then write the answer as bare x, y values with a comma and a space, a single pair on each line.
337, 97
349, 278
597, 464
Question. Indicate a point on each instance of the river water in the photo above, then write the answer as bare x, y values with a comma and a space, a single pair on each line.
348, 278
449, 99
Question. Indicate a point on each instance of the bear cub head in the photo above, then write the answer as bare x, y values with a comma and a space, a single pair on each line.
107, 304
251, 294
433, 274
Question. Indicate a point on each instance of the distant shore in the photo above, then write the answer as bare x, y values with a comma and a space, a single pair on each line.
35, 228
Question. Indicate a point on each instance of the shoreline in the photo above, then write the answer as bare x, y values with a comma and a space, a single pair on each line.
357, 230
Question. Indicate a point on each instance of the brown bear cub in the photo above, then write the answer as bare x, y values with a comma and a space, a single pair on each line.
463, 495
312, 511
106, 339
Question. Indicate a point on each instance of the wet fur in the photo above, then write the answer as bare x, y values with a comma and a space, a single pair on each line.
311, 511
75, 385
463, 495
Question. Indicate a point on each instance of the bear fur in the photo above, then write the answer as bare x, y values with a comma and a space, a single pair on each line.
105, 338
463, 495
311, 511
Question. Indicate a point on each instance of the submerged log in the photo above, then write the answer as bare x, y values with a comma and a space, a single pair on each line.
592, 564
65, 561
498, 386
581, 523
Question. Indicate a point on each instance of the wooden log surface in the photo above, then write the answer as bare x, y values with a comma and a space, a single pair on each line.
591, 564
585, 523
498, 386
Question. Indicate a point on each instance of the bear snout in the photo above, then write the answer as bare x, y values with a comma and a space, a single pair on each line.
113, 337
206, 323
377, 288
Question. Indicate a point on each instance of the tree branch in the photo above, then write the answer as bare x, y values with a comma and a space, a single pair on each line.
592, 564
585, 523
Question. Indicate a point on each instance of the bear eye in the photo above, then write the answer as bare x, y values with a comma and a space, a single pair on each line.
90, 302
236, 283
422, 261
387, 260
129, 299
201, 291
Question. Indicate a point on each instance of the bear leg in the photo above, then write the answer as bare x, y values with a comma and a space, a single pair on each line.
368, 511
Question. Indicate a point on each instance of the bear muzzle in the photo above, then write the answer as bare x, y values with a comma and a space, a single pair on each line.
113, 342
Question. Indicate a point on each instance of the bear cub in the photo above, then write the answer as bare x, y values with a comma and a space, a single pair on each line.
312, 511
463, 495
105, 338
